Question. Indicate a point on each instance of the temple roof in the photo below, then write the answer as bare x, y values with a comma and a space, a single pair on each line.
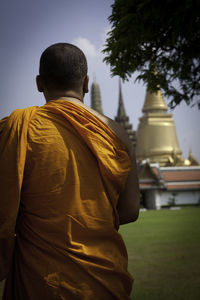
153, 176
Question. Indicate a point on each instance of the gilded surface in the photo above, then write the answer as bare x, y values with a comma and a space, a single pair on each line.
156, 135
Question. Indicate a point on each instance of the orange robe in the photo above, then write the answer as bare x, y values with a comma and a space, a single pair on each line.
61, 172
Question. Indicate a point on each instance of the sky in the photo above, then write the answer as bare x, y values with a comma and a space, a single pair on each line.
28, 27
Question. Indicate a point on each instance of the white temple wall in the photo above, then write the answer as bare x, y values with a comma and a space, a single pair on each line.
179, 197
155, 199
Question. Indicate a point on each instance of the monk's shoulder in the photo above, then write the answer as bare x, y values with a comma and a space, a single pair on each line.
21, 113
116, 128
9, 120
2, 124
120, 132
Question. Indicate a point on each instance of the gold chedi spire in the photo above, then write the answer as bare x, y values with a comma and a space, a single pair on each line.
154, 101
96, 97
156, 135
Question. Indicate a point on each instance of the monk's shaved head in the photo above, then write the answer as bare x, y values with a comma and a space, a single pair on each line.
63, 66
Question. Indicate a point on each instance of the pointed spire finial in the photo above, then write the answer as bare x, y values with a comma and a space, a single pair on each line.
123, 119
121, 109
120, 89
191, 158
190, 151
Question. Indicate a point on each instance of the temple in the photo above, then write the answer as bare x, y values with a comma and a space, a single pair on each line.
96, 97
166, 178
123, 119
156, 135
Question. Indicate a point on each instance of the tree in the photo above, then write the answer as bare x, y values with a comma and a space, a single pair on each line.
149, 35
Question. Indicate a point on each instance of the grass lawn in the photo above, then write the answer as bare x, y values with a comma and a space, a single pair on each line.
164, 254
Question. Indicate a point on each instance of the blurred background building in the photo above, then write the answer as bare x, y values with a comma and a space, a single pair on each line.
166, 177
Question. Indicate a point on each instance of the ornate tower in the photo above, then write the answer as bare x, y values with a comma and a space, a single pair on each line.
156, 135
123, 119
96, 97
192, 160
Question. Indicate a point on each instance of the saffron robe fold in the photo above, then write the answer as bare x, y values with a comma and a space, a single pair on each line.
61, 172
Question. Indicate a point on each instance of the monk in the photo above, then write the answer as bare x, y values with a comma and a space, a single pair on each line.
68, 179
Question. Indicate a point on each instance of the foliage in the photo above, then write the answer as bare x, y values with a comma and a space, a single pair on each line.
149, 35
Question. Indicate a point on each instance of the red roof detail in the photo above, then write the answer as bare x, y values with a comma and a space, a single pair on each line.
182, 175
183, 186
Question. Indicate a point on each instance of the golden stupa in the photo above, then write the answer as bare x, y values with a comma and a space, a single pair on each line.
156, 135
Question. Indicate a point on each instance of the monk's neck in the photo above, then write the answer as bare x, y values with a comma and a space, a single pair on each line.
71, 99
66, 95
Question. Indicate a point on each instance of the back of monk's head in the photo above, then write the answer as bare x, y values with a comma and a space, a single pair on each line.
63, 66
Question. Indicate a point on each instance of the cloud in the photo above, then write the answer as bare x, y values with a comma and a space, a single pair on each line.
86, 46
104, 35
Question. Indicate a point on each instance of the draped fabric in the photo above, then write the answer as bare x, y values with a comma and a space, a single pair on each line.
61, 172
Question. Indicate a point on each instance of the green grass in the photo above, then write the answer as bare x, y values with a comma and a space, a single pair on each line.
164, 254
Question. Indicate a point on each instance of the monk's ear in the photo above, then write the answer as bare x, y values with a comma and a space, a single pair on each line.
39, 83
85, 84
